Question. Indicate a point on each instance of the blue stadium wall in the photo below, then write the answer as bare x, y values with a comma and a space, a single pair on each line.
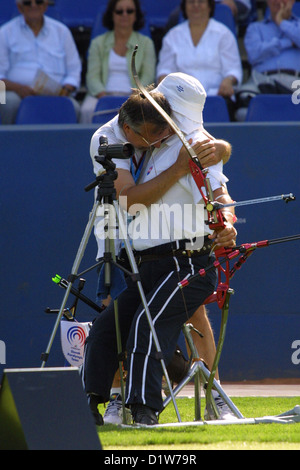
44, 212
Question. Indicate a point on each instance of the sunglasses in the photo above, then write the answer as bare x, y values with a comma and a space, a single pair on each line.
28, 3
156, 141
129, 11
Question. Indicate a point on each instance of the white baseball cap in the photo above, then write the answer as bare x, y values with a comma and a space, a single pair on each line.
186, 96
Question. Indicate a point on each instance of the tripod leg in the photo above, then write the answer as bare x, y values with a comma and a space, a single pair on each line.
119, 346
76, 264
110, 247
134, 268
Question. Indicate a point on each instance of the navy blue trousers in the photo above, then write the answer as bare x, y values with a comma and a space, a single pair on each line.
170, 307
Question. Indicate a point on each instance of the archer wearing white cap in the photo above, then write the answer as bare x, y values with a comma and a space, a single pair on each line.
165, 180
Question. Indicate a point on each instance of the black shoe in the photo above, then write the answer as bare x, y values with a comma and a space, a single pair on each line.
93, 404
143, 414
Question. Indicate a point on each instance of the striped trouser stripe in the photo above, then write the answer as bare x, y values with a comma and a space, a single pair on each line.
129, 385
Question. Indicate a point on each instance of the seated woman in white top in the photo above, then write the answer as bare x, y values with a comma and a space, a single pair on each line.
203, 48
110, 54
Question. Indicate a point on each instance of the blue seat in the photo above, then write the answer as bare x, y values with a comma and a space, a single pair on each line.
107, 107
7, 10
53, 12
296, 9
98, 27
46, 110
225, 16
77, 13
215, 110
156, 12
273, 108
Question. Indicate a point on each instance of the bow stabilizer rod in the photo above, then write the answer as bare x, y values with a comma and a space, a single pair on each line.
284, 197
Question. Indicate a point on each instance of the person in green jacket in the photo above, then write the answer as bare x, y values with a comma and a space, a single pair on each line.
109, 57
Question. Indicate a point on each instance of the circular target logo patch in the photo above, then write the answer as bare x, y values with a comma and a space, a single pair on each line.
76, 336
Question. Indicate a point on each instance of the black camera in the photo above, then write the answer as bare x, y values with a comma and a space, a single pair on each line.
105, 155
122, 151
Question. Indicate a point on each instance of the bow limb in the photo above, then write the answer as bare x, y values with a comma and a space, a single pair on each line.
195, 165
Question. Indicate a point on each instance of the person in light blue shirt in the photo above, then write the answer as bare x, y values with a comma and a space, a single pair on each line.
33, 42
274, 44
273, 49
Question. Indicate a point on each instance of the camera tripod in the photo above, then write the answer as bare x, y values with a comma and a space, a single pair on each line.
106, 195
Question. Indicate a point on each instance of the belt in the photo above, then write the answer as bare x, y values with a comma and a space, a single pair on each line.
170, 250
295, 73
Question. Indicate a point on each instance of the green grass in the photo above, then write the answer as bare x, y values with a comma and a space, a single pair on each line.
246, 436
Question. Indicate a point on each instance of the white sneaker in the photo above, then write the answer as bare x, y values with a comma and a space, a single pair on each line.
225, 412
114, 413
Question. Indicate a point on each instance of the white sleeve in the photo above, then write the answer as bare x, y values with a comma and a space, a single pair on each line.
230, 56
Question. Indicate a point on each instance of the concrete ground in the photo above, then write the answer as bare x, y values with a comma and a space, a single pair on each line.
265, 388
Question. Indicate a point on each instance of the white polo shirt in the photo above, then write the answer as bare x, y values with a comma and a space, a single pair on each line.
180, 213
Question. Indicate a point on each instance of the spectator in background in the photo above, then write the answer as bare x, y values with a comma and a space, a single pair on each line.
239, 8
273, 48
110, 55
203, 48
33, 43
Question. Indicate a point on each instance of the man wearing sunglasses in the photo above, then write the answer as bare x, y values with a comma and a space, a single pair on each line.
145, 182
30, 43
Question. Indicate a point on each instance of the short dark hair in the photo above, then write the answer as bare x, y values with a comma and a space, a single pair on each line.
137, 110
211, 4
107, 18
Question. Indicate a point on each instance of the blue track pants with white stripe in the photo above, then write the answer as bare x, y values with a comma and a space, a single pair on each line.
169, 307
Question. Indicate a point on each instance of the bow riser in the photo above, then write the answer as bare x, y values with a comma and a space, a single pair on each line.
215, 216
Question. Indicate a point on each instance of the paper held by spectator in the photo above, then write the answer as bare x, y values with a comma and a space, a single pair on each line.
45, 85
